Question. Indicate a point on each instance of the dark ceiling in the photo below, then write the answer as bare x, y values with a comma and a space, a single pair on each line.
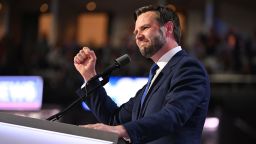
126, 7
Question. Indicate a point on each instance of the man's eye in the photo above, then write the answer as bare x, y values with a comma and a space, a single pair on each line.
146, 27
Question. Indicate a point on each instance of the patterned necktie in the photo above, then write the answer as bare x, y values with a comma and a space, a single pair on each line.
152, 72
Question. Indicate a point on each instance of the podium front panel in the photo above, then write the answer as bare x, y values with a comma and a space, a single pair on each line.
23, 130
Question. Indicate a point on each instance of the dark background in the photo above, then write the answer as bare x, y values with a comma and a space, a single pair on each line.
221, 34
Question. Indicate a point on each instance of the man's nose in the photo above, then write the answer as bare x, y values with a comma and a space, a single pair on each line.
139, 37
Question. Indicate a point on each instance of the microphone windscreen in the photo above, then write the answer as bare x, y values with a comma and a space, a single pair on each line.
123, 60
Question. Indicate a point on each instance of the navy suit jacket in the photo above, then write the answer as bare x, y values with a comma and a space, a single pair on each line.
174, 110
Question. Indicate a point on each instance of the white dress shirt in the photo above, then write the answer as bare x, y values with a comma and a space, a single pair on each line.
164, 60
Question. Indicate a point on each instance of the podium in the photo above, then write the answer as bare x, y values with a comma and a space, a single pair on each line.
23, 130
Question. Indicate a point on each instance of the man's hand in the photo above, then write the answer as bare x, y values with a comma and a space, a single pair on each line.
119, 130
85, 62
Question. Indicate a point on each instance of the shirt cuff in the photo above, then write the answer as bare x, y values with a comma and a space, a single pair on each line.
84, 84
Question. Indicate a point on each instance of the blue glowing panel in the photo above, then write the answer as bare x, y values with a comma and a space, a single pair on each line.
21, 92
121, 89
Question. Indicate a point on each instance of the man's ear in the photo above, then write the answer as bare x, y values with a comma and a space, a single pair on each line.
169, 28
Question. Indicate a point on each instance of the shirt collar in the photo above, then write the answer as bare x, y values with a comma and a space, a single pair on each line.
166, 57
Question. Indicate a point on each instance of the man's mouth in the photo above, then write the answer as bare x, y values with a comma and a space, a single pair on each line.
142, 43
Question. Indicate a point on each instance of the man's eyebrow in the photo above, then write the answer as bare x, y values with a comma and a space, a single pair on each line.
141, 27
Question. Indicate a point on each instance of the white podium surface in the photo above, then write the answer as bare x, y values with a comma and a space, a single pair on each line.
22, 130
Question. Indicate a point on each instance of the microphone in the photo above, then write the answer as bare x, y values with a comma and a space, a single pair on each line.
123, 60
119, 62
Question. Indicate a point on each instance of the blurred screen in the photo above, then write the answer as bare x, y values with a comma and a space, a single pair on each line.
121, 89
21, 93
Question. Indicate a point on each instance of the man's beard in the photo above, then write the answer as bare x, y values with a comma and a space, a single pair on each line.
157, 43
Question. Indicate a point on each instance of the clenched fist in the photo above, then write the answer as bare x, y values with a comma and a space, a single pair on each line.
85, 62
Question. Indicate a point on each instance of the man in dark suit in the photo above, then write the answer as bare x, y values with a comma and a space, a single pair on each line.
172, 107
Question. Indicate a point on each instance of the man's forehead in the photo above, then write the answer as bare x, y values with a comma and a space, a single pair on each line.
146, 17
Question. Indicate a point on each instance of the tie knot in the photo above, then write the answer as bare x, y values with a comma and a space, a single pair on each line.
153, 69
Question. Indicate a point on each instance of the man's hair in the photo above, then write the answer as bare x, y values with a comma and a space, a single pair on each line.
166, 14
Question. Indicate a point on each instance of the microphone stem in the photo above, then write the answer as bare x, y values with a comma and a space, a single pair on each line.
105, 79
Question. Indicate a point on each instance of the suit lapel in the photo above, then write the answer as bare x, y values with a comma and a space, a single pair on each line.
137, 105
159, 80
